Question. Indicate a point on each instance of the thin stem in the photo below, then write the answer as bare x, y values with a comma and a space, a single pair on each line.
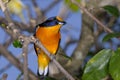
25, 59
91, 16
10, 57
4, 77
4, 9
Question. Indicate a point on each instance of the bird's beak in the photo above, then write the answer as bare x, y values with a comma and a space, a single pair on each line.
62, 22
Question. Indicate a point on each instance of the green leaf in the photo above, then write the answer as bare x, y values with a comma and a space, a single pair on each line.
17, 44
110, 35
114, 66
72, 6
112, 10
3, 25
97, 67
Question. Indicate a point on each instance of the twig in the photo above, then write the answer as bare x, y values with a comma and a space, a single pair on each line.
2, 6
22, 26
8, 42
4, 77
38, 11
10, 23
5, 11
19, 76
9, 65
25, 46
16, 34
25, 58
16, 62
91, 16
39, 44
32, 39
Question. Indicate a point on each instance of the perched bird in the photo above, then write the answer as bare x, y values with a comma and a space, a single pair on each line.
48, 33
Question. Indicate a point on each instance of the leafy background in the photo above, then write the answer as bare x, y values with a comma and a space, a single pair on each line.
92, 53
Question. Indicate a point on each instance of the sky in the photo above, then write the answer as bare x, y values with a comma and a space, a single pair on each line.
70, 31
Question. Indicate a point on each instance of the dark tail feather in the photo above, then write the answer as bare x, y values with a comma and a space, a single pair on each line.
42, 77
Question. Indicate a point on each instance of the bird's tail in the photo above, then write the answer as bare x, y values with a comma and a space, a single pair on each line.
42, 71
43, 63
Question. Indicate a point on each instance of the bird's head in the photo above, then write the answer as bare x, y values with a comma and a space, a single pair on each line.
53, 21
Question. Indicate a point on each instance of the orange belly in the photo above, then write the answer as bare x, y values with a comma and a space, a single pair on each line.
49, 37
50, 40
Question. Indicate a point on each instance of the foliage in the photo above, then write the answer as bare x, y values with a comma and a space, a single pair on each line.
15, 7
112, 10
97, 67
3, 25
114, 65
17, 44
72, 6
111, 35
104, 63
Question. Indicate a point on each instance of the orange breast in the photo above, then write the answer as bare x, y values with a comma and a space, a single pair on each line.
50, 37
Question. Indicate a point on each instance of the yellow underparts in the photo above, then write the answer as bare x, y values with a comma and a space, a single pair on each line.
49, 37
43, 60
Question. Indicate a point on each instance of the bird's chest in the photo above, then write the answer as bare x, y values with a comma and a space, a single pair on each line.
50, 40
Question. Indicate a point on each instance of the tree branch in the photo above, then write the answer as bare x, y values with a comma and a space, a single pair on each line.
39, 44
16, 62
5, 11
25, 58
4, 77
17, 34
9, 65
91, 16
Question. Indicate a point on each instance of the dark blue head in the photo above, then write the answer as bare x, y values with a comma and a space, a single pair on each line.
52, 21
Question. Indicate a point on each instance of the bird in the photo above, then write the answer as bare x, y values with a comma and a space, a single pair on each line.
48, 33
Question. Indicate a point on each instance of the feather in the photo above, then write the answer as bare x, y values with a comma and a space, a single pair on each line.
43, 71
